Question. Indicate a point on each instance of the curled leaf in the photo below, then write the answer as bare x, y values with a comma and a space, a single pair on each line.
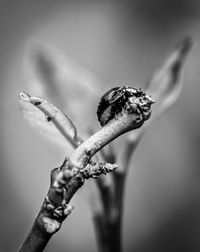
52, 123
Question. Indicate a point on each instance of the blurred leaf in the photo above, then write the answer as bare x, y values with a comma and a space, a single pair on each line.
48, 120
73, 88
165, 85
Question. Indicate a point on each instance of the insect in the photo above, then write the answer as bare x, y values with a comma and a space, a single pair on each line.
113, 102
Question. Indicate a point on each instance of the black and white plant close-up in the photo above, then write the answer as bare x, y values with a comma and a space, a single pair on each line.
100, 126
120, 110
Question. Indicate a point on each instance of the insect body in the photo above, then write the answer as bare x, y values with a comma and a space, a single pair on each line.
113, 102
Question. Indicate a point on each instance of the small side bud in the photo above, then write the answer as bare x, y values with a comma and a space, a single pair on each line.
62, 178
94, 170
68, 209
48, 204
51, 226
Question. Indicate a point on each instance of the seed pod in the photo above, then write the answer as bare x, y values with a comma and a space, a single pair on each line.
120, 99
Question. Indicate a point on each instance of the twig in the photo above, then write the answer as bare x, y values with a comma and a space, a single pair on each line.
55, 207
67, 179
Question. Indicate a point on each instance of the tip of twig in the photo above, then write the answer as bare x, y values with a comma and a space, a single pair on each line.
124, 100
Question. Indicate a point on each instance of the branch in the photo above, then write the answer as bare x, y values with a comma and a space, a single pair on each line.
55, 207
68, 178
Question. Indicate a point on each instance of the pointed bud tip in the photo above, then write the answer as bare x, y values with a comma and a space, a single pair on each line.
115, 166
112, 167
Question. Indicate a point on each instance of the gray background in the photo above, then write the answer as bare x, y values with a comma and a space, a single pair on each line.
122, 42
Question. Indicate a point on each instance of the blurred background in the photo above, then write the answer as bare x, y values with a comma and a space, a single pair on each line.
122, 42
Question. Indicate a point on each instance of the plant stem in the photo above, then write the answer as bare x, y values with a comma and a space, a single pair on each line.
68, 178
46, 224
36, 239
